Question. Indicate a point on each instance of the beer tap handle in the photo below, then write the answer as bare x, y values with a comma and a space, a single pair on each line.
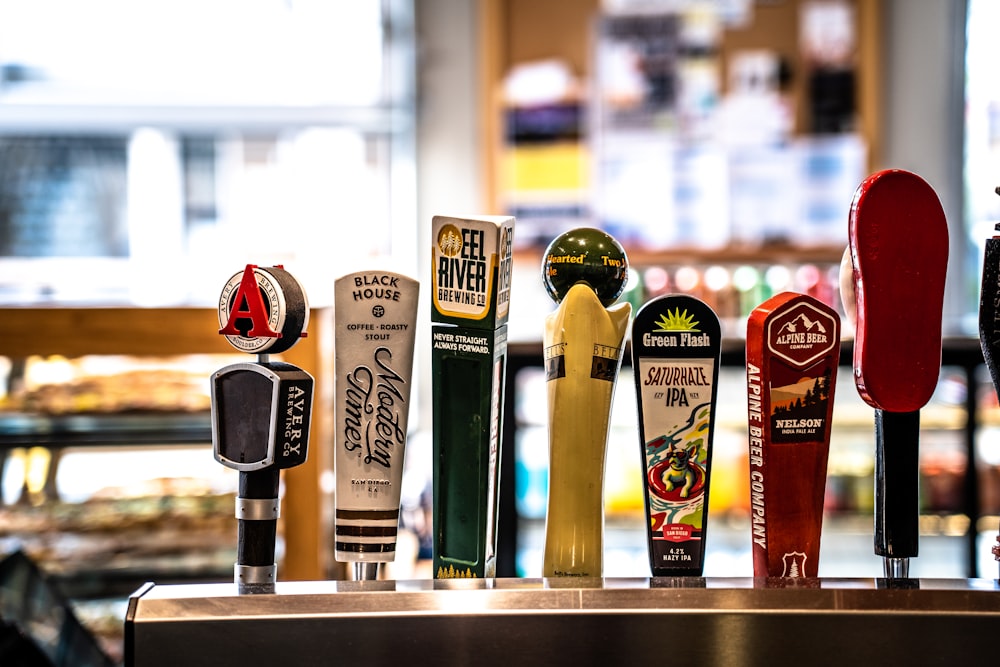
375, 315
470, 296
989, 318
257, 523
793, 351
676, 346
261, 410
898, 238
584, 271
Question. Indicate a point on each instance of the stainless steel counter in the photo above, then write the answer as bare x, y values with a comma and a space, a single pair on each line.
515, 622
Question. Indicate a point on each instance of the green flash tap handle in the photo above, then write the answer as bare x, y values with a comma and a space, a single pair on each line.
676, 345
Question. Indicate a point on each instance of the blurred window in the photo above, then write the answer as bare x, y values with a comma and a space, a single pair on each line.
187, 138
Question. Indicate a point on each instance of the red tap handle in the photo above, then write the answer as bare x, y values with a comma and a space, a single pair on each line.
793, 348
899, 249
899, 252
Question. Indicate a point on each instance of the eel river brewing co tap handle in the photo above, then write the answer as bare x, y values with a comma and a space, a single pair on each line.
792, 354
989, 318
260, 410
676, 344
584, 271
470, 307
898, 241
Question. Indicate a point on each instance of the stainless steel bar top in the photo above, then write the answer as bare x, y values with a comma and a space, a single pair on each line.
568, 621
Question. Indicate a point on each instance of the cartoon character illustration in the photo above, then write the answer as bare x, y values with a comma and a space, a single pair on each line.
675, 465
679, 471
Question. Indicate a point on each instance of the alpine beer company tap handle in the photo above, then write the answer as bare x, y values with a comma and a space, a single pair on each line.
989, 318
584, 271
260, 410
898, 239
793, 350
676, 345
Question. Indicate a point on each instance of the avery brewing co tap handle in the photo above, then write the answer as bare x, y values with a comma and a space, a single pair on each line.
676, 344
898, 239
261, 409
584, 271
793, 349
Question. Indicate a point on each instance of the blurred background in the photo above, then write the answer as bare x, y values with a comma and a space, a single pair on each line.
149, 152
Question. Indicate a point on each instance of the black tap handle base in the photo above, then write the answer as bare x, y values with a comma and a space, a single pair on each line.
893, 583
897, 484
996, 550
257, 515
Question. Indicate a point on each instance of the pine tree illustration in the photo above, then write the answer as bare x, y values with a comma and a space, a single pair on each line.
793, 571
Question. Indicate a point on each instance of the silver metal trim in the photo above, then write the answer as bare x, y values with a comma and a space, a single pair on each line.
365, 570
505, 622
897, 568
271, 444
255, 574
257, 509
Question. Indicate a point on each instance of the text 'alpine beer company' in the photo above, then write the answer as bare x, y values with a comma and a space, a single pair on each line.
793, 349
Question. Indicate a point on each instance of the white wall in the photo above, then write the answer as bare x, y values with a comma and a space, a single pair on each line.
923, 115
449, 143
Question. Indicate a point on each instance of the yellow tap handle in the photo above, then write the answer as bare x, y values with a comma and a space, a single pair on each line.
583, 352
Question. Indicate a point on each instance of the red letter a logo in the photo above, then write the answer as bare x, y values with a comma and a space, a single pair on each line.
248, 304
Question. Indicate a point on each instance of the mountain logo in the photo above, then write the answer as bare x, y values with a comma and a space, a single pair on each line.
802, 324
802, 335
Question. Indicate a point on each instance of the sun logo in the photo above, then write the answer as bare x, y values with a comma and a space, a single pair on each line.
450, 241
676, 321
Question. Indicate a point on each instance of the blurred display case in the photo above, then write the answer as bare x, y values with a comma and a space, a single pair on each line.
111, 480
130, 184
709, 132
174, 423
38, 626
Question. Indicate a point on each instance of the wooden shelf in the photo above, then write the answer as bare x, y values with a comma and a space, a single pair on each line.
517, 31
756, 255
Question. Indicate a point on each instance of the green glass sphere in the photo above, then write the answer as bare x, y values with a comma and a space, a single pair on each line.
585, 255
